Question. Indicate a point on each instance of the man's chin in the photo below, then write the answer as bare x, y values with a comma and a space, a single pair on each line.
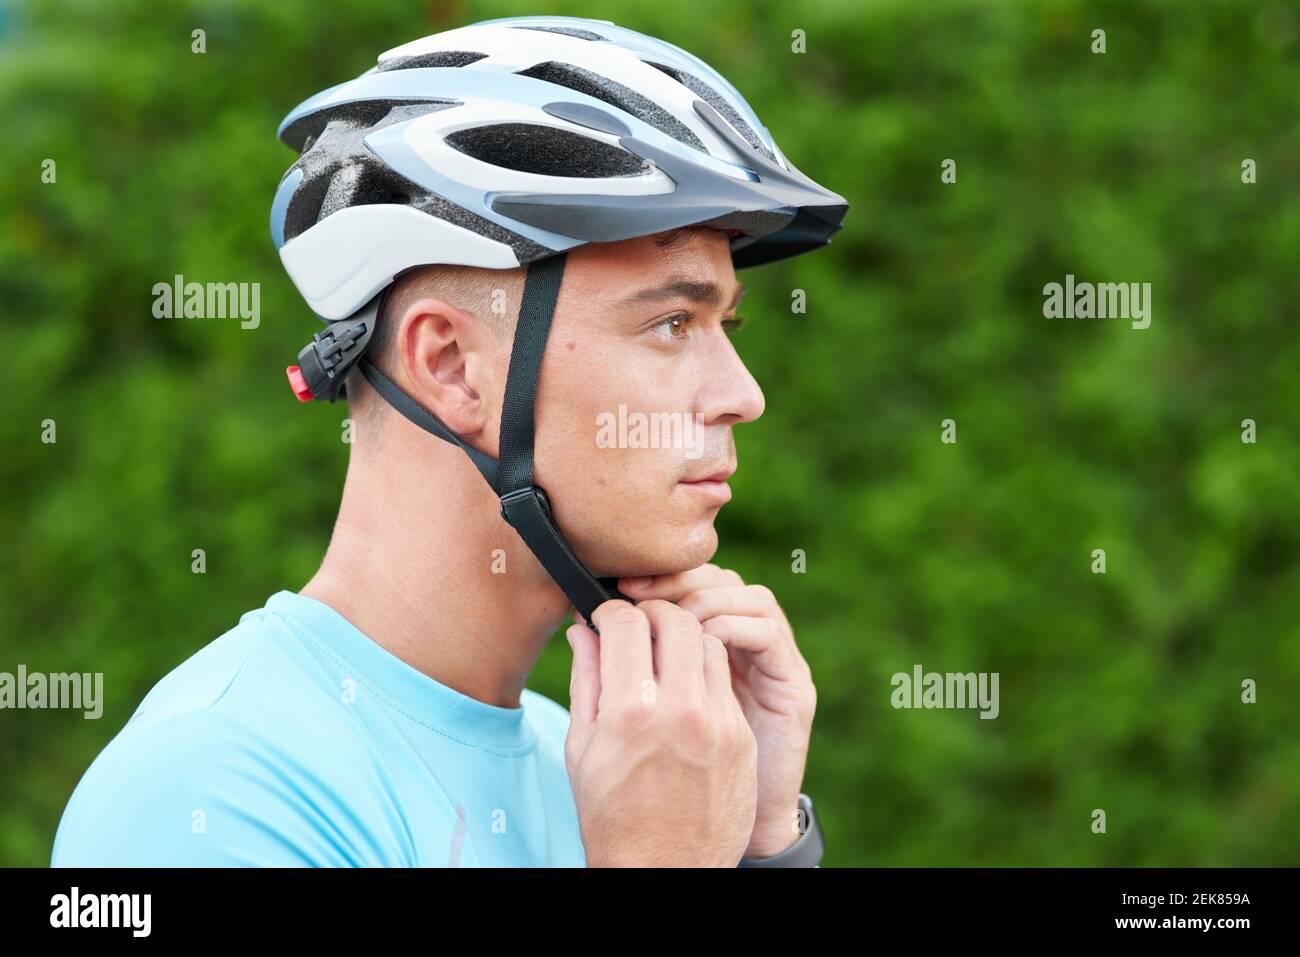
687, 551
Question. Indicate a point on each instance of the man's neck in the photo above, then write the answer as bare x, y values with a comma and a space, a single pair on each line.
438, 578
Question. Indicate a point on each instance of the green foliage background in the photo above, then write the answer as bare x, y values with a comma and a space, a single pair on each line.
1118, 691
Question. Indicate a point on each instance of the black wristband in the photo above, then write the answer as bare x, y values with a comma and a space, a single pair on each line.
805, 852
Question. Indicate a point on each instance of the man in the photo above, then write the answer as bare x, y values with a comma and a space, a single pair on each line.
513, 230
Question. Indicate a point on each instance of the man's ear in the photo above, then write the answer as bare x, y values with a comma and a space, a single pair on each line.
447, 356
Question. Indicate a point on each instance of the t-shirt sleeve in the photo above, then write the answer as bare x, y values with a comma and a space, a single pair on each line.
200, 789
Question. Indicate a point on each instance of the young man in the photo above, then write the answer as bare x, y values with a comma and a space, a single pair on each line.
516, 231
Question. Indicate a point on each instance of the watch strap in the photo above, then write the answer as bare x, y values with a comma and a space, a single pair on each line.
806, 851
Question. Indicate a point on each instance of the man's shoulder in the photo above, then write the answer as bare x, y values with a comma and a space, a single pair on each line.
230, 758
258, 677
201, 680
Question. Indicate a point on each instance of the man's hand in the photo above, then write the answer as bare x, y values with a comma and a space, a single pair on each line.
769, 677
661, 757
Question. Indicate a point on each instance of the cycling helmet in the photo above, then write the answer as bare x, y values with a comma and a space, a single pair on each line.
507, 143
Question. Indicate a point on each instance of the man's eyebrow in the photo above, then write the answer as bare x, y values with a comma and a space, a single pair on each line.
697, 290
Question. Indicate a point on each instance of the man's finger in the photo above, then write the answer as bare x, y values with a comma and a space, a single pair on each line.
744, 633
677, 646
677, 586
626, 659
717, 672
584, 682
708, 603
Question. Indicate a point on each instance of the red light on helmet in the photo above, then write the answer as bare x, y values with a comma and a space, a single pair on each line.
299, 384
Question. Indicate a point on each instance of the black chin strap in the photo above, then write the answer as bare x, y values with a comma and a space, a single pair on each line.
523, 504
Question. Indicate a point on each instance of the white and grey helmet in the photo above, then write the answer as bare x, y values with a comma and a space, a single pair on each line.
506, 143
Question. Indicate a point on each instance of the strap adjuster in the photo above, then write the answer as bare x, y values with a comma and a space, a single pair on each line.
516, 502
325, 362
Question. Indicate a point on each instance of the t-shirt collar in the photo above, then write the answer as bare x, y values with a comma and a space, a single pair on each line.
407, 688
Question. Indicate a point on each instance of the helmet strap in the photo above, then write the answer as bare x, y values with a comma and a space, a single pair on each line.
524, 505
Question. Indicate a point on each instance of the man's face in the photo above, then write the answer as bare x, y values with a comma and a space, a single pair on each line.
644, 327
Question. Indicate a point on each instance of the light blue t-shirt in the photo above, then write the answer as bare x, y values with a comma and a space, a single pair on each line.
295, 740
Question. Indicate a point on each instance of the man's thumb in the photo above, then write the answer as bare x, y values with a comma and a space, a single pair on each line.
584, 684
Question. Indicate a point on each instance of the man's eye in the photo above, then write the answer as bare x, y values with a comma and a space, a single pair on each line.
734, 324
675, 326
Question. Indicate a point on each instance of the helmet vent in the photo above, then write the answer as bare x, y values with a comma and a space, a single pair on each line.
364, 184
616, 94
719, 103
306, 132
567, 31
441, 58
338, 168
547, 150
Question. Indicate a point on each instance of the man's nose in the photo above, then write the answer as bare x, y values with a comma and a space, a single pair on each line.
732, 395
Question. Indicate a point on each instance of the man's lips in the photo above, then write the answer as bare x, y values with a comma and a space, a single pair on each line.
721, 475
713, 486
